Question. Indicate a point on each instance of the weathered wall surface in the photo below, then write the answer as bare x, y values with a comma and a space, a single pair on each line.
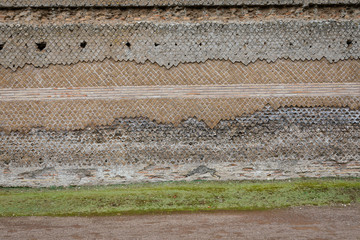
141, 93
171, 44
284, 143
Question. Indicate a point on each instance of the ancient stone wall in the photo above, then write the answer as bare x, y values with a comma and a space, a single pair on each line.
178, 90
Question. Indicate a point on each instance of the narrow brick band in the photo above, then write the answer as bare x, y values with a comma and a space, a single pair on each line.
204, 91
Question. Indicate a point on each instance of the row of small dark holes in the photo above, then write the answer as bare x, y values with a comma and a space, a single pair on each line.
42, 45
348, 43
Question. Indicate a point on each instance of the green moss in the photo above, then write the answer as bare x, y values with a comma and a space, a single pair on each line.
176, 196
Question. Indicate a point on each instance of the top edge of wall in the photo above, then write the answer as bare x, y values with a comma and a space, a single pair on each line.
166, 3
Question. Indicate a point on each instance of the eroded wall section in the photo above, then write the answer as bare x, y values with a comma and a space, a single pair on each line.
103, 95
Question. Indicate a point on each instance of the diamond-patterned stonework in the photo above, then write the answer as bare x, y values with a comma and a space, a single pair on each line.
169, 44
79, 114
112, 94
140, 141
269, 144
112, 73
101, 110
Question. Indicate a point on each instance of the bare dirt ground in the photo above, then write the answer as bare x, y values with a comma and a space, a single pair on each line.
340, 222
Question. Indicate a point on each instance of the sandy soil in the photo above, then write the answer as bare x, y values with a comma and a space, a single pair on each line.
340, 222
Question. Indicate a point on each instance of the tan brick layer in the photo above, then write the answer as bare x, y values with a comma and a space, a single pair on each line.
113, 73
17, 114
78, 114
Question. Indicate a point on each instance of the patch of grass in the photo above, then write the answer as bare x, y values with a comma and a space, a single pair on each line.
176, 196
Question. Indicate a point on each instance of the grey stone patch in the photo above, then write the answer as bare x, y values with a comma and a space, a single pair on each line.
150, 166
178, 43
38, 173
83, 173
119, 176
202, 169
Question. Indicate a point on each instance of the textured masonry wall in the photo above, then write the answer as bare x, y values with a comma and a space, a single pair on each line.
237, 91
289, 142
170, 44
176, 14
212, 72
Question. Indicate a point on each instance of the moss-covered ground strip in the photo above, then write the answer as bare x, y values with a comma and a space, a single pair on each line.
176, 197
